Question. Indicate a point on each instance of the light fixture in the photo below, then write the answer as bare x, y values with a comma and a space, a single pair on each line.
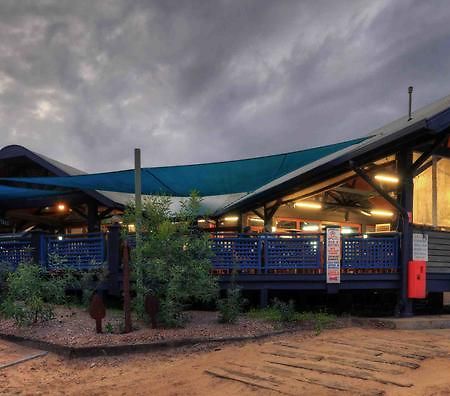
346, 230
308, 205
60, 238
231, 218
386, 178
310, 227
201, 221
256, 219
381, 213
61, 207
274, 229
131, 228
365, 213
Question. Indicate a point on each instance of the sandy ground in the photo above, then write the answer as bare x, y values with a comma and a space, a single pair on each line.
345, 361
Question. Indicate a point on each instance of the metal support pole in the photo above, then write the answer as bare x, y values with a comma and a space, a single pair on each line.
405, 196
434, 187
138, 225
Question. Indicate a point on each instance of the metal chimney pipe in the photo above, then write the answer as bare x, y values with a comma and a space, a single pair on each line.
410, 91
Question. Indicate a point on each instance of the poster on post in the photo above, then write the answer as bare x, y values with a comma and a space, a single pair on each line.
333, 254
420, 247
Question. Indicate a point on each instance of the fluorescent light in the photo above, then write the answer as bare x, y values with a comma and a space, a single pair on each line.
346, 230
201, 221
383, 213
231, 218
309, 205
257, 219
310, 227
365, 212
386, 178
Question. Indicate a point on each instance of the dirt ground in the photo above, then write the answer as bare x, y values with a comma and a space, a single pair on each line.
345, 361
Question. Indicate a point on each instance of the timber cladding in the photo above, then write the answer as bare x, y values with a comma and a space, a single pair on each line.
438, 251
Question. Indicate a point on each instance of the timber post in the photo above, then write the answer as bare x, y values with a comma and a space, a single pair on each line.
113, 255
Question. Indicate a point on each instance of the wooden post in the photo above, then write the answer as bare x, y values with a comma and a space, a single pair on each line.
113, 250
126, 288
434, 187
93, 219
97, 311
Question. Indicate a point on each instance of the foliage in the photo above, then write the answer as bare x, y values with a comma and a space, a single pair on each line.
30, 292
284, 313
109, 328
172, 259
230, 307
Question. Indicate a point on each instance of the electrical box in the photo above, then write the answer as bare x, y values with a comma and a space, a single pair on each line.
417, 279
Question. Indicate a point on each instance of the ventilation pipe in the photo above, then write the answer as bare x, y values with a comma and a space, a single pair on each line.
410, 91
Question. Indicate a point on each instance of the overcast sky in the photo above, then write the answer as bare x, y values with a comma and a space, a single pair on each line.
196, 81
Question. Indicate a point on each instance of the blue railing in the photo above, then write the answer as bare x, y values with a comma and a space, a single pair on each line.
271, 253
15, 251
239, 253
85, 251
298, 253
378, 253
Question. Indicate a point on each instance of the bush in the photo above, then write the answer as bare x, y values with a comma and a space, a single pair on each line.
286, 311
173, 260
231, 306
30, 292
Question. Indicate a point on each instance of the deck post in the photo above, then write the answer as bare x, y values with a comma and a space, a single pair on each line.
264, 298
38, 243
405, 197
93, 219
113, 257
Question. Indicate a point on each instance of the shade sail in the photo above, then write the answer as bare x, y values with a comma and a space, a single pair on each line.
216, 178
8, 193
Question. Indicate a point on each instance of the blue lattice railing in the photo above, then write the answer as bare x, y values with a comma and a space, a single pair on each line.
236, 253
75, 251
15, 251
370, 253
298, 253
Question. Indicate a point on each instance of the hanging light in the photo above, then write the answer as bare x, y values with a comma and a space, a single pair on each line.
231, 218
61, 207
382, 213
386, 178
308, 205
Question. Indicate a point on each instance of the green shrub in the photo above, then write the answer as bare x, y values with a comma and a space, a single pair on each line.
173, 259
285, 310
30, 291
231, 306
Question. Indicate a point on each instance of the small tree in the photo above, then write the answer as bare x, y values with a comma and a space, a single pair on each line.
30, 292
175, 258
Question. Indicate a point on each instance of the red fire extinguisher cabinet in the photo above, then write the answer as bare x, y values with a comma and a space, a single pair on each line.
417, 279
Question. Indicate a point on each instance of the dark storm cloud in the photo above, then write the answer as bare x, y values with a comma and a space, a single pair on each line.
192, 81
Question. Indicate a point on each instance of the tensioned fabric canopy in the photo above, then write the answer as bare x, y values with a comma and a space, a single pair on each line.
209, 179
7, 192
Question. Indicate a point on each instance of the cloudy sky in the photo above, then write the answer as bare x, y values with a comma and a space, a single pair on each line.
195, 81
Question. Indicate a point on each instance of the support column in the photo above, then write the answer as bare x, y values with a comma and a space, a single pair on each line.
113, 254
264, 298
93, 219
405, 197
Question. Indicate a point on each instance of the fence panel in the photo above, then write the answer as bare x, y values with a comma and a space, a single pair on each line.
241, 254
299, 253
15, 251
370, 253
76, 251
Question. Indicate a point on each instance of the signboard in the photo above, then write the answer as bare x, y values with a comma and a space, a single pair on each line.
420, 247
333, 255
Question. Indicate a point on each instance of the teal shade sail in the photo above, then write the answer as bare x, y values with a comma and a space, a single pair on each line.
9, 193
216, 178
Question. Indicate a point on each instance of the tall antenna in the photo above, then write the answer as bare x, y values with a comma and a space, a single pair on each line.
410, 91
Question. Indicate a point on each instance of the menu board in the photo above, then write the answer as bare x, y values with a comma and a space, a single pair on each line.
333, 255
